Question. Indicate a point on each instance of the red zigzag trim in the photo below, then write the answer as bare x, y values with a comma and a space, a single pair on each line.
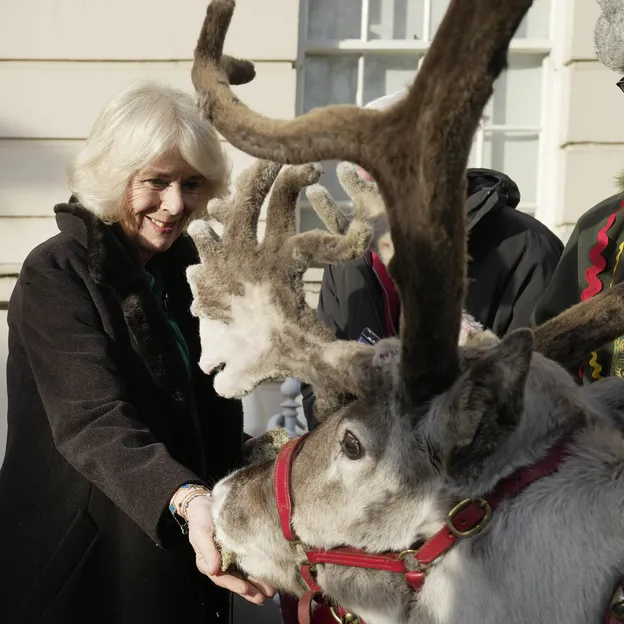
594, 285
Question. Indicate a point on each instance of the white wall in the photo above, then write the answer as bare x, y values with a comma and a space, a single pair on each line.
587, 114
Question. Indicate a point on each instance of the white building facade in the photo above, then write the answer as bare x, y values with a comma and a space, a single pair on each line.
552, 125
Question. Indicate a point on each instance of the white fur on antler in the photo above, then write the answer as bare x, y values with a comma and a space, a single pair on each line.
254, 319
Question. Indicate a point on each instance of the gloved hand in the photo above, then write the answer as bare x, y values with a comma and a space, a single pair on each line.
201, 535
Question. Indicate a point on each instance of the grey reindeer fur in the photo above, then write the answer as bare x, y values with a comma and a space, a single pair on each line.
437, 423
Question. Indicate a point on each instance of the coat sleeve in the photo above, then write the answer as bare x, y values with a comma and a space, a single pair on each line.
532, 271
329, 312
563, 290
84, 394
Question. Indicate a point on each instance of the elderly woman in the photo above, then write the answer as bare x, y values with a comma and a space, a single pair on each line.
114, 433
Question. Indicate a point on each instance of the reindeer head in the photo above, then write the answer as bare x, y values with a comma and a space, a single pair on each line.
381, 477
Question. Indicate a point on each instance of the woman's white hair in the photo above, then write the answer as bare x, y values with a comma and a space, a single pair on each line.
144, 122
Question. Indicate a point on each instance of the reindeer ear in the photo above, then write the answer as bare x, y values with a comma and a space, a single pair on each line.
486, 403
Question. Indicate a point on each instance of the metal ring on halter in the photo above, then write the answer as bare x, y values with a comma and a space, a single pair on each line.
479, 526
348, 618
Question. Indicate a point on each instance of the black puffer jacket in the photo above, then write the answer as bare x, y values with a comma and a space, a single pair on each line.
512, 259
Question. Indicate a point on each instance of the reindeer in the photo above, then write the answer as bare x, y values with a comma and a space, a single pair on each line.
477, 482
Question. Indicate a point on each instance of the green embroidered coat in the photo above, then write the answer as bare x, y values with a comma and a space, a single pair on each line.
590, 264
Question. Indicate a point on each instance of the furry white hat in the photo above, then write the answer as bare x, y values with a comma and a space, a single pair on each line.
386, 101
609, 34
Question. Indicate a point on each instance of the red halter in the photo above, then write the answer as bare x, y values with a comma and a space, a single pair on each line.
466, 519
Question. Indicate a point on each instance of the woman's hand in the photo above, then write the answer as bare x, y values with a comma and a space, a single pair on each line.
208, 559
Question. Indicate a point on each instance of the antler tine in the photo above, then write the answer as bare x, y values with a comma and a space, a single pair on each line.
368, 206
573, 334
281, 221
218, 209
252, 188
328, 248
238, 71
357, 188
205, 238
327, 209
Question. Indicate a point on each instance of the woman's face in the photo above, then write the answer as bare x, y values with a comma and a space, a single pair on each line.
161, 198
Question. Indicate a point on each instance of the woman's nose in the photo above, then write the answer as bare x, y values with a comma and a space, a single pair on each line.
173, 201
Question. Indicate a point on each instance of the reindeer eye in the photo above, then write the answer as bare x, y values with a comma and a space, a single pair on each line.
351, 446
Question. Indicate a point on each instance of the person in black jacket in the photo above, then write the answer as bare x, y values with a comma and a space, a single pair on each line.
114, 433
512, 259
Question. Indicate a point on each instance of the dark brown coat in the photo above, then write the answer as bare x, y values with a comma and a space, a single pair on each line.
104, 424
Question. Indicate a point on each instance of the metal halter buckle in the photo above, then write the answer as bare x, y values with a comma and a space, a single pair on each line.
464, 505
348, 618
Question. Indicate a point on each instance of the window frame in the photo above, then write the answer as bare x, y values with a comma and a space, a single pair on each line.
544, 47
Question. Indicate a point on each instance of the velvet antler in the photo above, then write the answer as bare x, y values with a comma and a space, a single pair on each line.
368, 207
249, 295
417, 151
572, 335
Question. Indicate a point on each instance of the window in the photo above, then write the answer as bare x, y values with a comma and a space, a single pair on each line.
353, 51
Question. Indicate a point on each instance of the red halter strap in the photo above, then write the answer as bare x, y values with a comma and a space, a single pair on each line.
466, 519
281, 485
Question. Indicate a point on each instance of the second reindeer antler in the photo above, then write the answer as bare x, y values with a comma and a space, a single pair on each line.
249, 295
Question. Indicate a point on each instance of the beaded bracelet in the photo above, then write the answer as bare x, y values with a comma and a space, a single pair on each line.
178, 511
187, 502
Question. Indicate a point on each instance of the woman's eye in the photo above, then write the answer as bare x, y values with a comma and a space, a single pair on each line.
351, 446
191, 185
156, 183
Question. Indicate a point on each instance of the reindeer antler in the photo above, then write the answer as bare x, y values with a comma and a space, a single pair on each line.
572, 335
249, 296
237, 71
417, 152
368, 207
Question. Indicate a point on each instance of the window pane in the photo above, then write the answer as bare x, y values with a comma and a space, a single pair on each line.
329, 19
330, 80
308, 220
438, 10
385, 74
473, 159
396, 19
516, 154
510, 104
536, 23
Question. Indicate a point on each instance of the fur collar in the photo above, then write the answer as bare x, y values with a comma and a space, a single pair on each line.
114, 262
